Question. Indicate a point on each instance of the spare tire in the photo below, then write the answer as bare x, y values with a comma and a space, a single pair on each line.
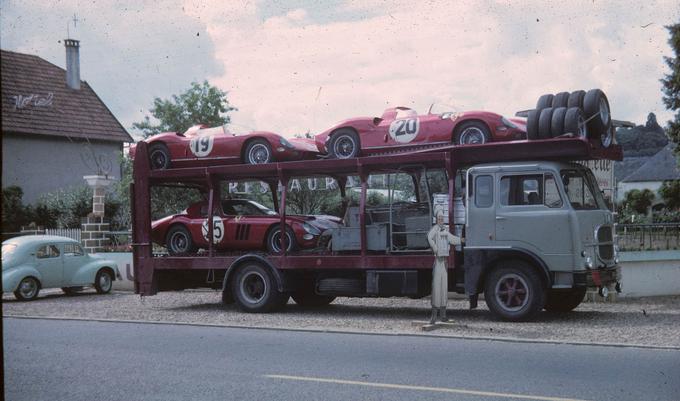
532, 124
544, 101
575, 123
576, 99
557, 122
544, 122
598, 117
560, 100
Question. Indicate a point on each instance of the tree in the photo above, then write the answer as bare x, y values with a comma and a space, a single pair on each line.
200, 104
639, 201
671, 85
670, 193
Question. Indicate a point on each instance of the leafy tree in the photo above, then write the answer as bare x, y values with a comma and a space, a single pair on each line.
670, 193
14, 213
639, 201
671, 85
200, 104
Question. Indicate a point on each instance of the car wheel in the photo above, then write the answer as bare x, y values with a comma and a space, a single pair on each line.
104, 281
159, 156
71, 290
544, 122
557, 122
28, 289
274, 240
596, 109
544, 101
344, 144
472, 133
532, 124
309, 299
564, 301
575, 123
576, 99
513, 291
255, 289
560, 100
179, 241
258, 152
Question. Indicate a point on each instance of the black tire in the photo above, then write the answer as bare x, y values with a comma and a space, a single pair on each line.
532, 124
564, 301
471, 133
273, 243
598, 115
557, 122
544, 121
28, 289
258, 151
575, 123
103, 282
255, 289
513, 291
70, 291
159, 156
576, 99
178, 240
307, 298
544, 101
344, 144
560, 100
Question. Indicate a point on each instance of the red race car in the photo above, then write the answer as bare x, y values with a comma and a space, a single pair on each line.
401, 128
238, 224
202, 146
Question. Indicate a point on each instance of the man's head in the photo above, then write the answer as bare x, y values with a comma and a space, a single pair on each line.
440, 217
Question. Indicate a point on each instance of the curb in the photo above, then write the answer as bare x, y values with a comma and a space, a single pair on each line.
376, 333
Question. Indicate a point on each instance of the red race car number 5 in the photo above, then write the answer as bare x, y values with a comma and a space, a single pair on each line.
201, 146
218, 229
404, 131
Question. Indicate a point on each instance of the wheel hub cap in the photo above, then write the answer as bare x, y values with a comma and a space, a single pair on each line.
472, 136
512, 292
259, 154
253, 287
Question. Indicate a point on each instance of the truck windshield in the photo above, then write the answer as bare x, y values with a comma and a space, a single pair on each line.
582, 190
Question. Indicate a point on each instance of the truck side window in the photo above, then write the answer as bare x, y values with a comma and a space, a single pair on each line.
518, 190
483, 191
552, 194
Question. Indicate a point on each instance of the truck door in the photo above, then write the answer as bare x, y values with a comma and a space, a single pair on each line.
480, 222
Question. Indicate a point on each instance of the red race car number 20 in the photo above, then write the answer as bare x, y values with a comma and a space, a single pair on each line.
201, 146
404, 131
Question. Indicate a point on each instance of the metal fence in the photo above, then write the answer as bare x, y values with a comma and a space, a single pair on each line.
648, 237
73, 233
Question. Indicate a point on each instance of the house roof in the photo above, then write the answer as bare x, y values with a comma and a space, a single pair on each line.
662, 166
36, 100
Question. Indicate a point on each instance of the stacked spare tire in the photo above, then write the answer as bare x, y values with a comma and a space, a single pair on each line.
579, 113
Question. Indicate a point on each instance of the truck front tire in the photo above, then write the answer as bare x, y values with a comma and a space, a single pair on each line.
255, 289
564, 301
514, 291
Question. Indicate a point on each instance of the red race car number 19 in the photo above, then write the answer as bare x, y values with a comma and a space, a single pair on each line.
201, 146
404, 131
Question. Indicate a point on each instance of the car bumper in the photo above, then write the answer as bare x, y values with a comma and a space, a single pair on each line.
598, 278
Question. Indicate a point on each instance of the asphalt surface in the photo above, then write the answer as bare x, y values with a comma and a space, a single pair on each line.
86, 360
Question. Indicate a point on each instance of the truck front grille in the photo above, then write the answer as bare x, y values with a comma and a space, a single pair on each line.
605, 240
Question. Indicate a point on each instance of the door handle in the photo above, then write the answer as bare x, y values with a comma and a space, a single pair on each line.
501, 218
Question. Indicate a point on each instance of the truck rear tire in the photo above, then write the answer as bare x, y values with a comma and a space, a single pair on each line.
544, 122
513, 291
576, 99
560, 100
532, 124
544, 101
307, 298
564, 301
596, 109
254, 288
557, 122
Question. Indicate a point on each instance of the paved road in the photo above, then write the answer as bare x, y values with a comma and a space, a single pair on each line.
82, 360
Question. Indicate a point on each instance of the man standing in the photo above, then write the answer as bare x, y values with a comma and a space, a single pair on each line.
440, 240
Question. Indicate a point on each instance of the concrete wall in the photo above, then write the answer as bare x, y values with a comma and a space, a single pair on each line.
40, 164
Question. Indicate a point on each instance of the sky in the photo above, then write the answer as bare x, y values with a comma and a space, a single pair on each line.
300, 66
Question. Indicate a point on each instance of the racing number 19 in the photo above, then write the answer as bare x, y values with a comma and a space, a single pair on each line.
201, 145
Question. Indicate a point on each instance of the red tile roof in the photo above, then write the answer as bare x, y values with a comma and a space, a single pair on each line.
36, 100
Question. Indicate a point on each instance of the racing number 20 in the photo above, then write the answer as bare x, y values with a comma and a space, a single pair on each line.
406, 127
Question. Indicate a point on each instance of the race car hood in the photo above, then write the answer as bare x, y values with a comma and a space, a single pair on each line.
322, 222
304, 144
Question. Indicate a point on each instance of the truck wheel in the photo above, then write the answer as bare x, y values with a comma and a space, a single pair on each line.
575, 123
274, 240
560, 100
309, 299
557, 122
159, 156
28, 289
544, 101
596, 108
344, 144
103, 282
576, 99
513, 291
532, 124
564, 301
544, 121
179, 241
255, 289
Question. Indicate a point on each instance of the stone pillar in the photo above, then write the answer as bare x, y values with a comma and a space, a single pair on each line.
94, 226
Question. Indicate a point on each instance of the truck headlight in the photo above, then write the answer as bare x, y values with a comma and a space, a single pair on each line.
589, 262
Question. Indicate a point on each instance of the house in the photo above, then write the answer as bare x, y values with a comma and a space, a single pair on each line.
55, 129
651, 174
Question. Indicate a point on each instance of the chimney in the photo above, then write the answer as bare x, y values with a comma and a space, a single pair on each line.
72, 63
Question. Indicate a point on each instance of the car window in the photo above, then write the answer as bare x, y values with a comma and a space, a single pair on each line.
246, 209
73, 250
483, 191
516, 190
552, 194
47, 251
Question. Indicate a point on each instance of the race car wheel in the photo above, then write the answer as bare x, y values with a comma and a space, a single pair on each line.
28, 289
574, 122
560, 100
104, 281
576, 99
255, 289
179, 241
544, 122
309, 299
557, 122
564, 301
472, 133
258, 152
513, 291
159, 156
274, 240
544, 101
596, 109
532, 123
344, 144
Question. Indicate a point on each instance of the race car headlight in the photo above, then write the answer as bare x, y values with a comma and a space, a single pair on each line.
508, 123
448, 115
310, 229
286, 144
